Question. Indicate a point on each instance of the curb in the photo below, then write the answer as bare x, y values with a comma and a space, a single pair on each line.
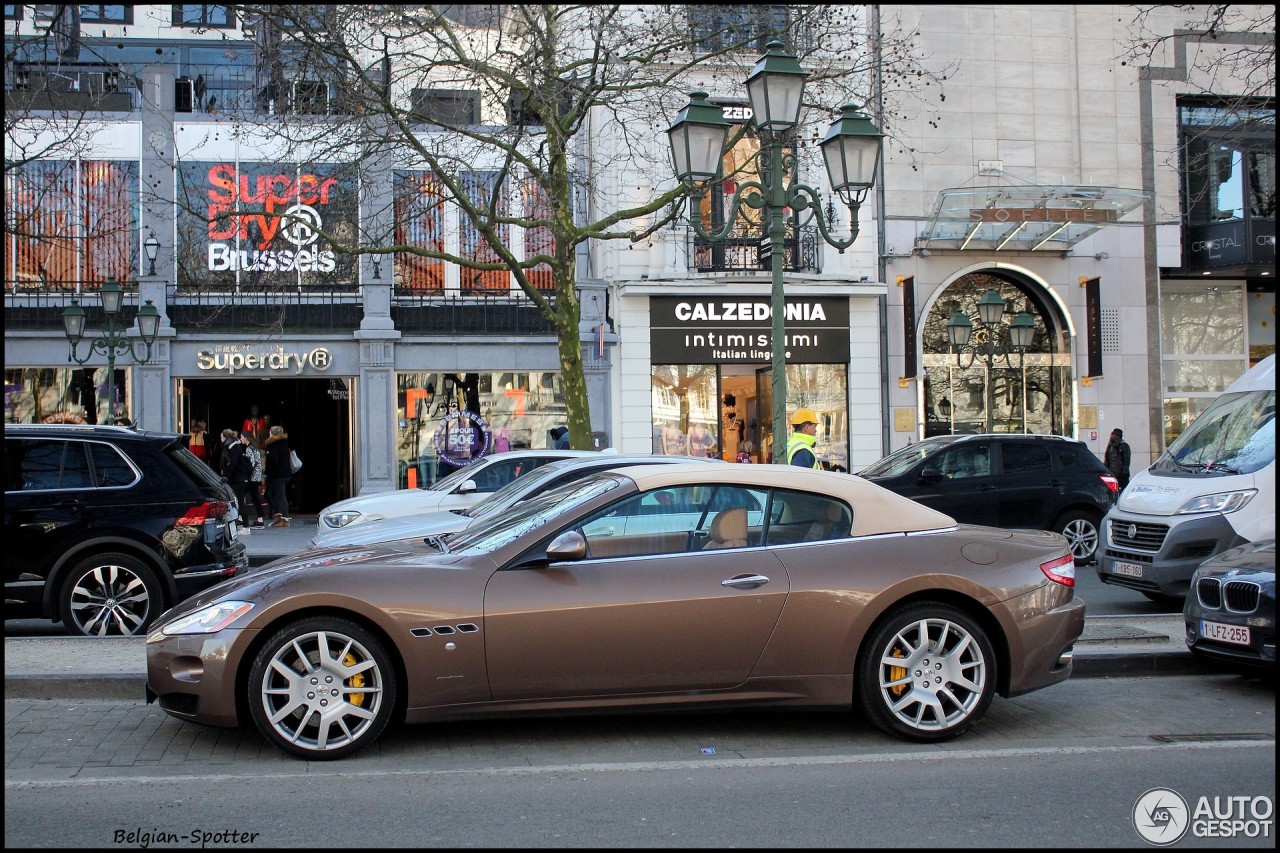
1113, 664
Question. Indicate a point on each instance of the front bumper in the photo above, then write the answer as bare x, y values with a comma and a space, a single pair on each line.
193, 677
1168, 566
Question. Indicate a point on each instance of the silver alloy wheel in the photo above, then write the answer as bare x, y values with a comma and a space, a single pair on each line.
108, 600
321, 691
1082, 536
932, 675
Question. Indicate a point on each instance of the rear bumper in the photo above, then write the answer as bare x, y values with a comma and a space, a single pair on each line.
1047, 643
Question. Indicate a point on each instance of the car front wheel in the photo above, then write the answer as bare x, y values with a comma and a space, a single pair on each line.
322, 688
927, 673
1081, 530
110, 595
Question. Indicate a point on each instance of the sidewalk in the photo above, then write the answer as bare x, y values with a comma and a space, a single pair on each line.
115, 668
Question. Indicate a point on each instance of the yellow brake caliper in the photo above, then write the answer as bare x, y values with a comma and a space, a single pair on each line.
897, 673
357, 680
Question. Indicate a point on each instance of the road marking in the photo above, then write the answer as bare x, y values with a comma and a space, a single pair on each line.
308, 771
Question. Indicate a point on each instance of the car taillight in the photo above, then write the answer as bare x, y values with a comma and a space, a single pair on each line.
207, 511
1061, 570
1112, 483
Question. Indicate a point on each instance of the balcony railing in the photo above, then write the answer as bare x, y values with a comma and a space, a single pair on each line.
480, 315
266, 312
743, 254
41, 310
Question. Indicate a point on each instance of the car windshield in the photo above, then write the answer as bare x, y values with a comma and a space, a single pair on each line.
532, 514
901, 460
529, 484
1236, 435
463, 474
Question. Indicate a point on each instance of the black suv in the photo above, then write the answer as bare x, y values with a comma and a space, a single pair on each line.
106, 527
1045, 482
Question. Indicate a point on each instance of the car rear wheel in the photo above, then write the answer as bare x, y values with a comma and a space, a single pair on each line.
927, 673
1081, 529
322, 688
110, 595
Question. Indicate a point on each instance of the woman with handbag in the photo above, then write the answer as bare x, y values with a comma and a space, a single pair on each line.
279, 468
244, 475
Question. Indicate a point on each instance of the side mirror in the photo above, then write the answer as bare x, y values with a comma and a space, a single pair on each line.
929, 475
567, 547
466, 487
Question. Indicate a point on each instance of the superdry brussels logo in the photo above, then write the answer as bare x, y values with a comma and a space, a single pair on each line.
248, 211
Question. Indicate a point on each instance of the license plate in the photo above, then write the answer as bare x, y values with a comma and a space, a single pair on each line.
1236, 635
1133, 570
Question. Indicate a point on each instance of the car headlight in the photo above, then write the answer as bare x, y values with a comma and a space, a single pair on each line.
208, 620
1219, 502
341, 518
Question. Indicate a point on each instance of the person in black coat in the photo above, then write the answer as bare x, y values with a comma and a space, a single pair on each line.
279, 469
239, 465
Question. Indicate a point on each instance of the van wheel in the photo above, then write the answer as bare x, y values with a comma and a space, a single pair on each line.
1081, 529
110, 595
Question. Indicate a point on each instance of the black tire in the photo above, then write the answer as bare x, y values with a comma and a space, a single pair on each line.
948, 681
111, 594
1083, 530
322, 709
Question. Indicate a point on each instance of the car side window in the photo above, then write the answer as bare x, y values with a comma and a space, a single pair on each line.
32, 464
967, 460
75, 467
802, 517
676, 520
109, 467
497, 475
1021, 456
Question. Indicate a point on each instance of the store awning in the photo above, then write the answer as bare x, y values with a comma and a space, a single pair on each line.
1026, 218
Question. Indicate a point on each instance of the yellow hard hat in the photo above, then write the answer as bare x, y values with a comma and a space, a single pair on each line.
803, 416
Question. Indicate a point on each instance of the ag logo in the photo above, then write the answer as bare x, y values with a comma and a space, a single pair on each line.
1161, 816
301, 225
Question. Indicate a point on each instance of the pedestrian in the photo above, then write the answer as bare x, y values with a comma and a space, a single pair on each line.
1118, 457
744, 455
279, 469
195, 443
229, 439
245, 477
804, 437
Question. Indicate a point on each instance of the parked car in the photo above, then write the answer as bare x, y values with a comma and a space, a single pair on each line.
1231, 609
463, 488
1045, 482
105, 526
444, 522
808, 588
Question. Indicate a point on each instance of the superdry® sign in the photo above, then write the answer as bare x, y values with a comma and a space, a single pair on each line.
738, 330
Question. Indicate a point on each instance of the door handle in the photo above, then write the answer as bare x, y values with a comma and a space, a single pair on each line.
986, 488
70, 503
745, 581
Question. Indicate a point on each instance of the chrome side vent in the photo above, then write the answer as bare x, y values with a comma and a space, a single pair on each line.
420, 632
468, 628
444, 630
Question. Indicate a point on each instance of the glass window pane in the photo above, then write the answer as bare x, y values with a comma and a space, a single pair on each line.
1024, 457
1206, 320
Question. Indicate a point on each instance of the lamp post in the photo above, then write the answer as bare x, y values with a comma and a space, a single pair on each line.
851, 151
997, 340
113, 340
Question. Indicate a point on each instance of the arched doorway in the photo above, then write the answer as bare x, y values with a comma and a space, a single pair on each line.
997, 389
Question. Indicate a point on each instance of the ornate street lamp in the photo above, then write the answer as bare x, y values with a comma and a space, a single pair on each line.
113, 340
998, 340
152, 247
851, 151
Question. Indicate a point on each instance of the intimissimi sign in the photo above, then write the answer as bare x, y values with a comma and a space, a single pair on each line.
739, 330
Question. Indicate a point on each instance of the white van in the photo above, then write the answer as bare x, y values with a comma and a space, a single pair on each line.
1213, 489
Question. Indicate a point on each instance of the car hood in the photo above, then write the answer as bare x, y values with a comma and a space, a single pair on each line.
394, 503
311, 566
416, 526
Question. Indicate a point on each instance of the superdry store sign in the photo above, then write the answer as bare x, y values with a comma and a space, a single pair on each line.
738, 330
261, 223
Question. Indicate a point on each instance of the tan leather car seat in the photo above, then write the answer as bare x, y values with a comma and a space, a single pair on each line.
728, 530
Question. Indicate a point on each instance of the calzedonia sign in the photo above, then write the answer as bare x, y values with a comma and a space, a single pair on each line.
229, 358
738, 330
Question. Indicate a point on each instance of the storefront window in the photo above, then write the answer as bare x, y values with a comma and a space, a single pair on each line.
64, 395
419, 201
446, 419
71, 223
726, 411
1203, 347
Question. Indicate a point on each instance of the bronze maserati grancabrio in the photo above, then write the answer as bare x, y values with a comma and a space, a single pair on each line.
656, 587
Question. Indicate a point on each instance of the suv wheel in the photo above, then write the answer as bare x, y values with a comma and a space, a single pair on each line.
110, 595
1081, 529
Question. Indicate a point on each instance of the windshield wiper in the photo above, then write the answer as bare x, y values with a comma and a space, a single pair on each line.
1218, 466
438, 543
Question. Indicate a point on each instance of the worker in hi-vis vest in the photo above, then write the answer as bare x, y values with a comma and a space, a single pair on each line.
804, 424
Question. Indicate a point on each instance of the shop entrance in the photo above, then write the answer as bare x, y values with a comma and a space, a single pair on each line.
315, 412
